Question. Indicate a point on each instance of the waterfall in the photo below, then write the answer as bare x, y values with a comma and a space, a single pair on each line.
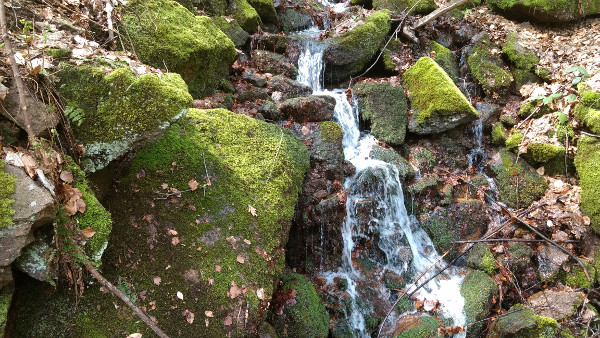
376, 186
477, 155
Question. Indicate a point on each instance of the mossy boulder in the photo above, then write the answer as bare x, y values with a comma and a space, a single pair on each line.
514, 140
520, 255
588, 111
6, 294
165, 34
245, 15
522, 61
445, 58
391, 156
119, 111
481, 258
426, 328
518, 183
436, 103
7, 184
488, 68
232, 29
349, 53
297, 310
400, 6
545, 10
550, 156
523, 322
587, 162
529, 107
265, 9
478, 289
383, 106
499, 134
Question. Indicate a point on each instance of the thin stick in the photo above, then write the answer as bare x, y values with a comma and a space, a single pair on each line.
115, 291
589, 134
409, 32
508, 240
16, 75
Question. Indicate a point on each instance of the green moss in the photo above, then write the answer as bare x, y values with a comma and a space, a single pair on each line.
444, 58
499, 134
576, 276
517, 54
307, 317
543, 74
433, 93
588, 111
424, 184
543, 152
246, 16
388, 64
520, 257
59, 53
522, 321
507, 121
587, 162
478, 289
232, 29
265, 10
6, 294
481, 258
545, 10
397, 6
487, 68
331, 131
523, 76
427, 328
519, 184
7, 188
385, 107
564, 131
165, 34
95, 215
514, 140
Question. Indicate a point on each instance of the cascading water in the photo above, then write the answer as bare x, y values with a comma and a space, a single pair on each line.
406, 248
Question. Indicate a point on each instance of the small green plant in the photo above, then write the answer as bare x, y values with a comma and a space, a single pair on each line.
583, 74
75, 114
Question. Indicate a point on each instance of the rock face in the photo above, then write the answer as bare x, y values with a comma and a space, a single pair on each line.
283, 88
321, 207
297, 310
545, 10
202, 218
313, 108
489, 69
550, 259
436, 103
41, 119
120, 111
165, 34
556, 304
587, 162
531, 186
478, 290
523, 322
383, 106
349, 53
269, 62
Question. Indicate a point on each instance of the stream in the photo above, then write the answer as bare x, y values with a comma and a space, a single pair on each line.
404, 248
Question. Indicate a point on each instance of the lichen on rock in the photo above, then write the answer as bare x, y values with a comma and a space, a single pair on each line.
522, 321
488, 68
437, 104
7, 188
478, 290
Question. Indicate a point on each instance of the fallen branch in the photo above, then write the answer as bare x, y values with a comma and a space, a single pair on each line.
508, 240
409, 31
116, 292
589, 134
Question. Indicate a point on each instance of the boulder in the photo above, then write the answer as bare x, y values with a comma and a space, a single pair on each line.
6, 294
523, 322
550, 260
588, 111
545, 10
245, 15
266, 10
478, 289
519, 184
315, 108
445, 58
349, 53
297, 310
295, 15
481, 258
550, 156
556, 304
384, 108
42, 120
165, 34
389, 155
34, 259
401, 6
587, 162
519, 257
232, 29
118, 111
489, 69
269, 62
522, 61
283, 88
201, 219
436, 103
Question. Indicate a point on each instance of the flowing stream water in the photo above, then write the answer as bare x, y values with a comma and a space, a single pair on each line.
378, 183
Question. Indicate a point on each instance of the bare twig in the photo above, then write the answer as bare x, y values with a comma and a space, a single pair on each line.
589, 134
16, 75
508, 240
409, 32
115, 291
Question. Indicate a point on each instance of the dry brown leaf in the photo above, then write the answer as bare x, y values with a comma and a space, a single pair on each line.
251, 210
209, 314
240, 259
156, 280
66, 176
189, 316
234, 291
88, 232
217, 268
175, 240
228, 320
193, 185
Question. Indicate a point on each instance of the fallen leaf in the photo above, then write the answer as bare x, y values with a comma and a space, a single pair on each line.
193, 185
172, 232
260, 293
135, 335
179, 295
217, 268
88, 232
247, 241
240, 259
189, 316
209, 314
175, 240
66, 176
251, 210
234, 291
164, 186
228, 320
157, 280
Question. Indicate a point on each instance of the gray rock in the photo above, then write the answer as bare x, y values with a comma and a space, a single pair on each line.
550, 259
309, 109
33, 260
556, 304
283, 88
269, 62
42, 120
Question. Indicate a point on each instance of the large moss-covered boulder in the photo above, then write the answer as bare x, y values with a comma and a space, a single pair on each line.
523, 322
201, 218
400, 6
232, 29
550, 156
349, 53
265, 9
383, 106
588, 110
297, 310
545, 10
522, 61
518, 183
478, 289
436, 103
587, 162
165, 34
489, 68
119, 111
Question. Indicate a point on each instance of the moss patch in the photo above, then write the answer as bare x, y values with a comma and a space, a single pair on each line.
545, 10
478, 290
519, 184
265, 10
517, 54
7, 188
331, 131
232, 29
514, 140
523, 322
481, 258
307, 316
166, 34
551, 156
587, 162
487, 68
397, 6
385, 107
6, 294
499, 134
444, 58
588, 111
427, 328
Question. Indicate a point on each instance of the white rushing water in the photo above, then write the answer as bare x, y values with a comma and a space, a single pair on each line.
392, 224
